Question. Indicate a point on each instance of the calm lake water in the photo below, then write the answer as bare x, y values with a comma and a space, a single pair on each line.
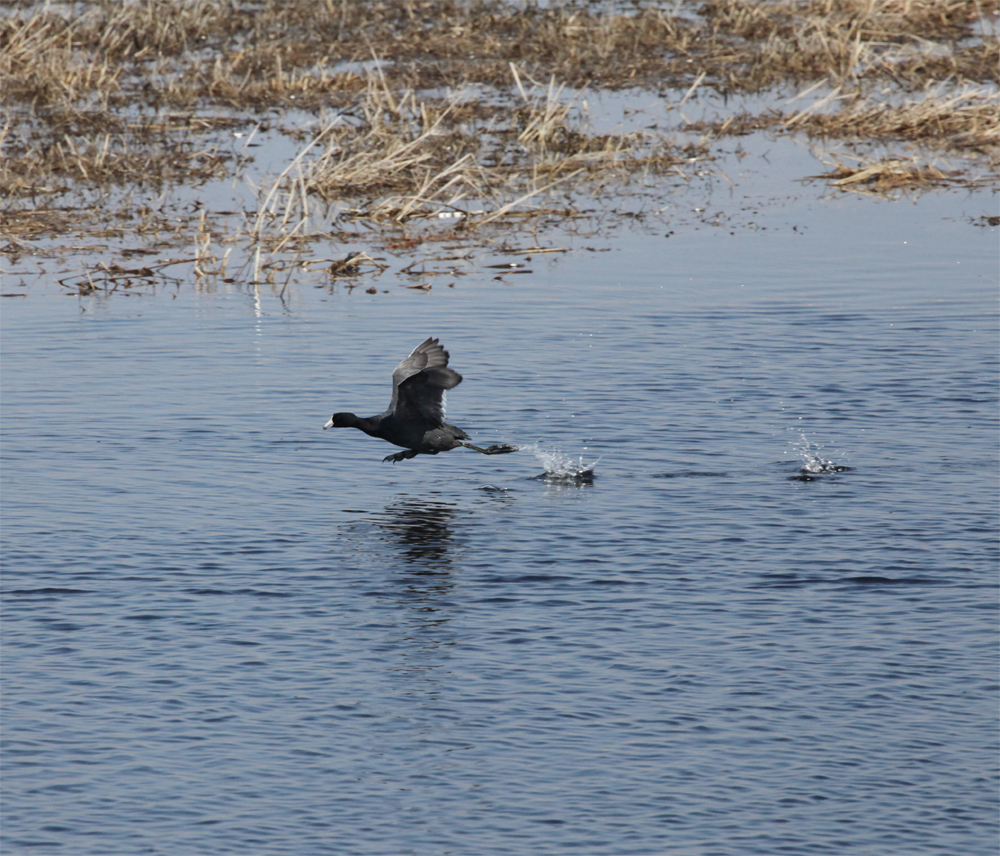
228, 631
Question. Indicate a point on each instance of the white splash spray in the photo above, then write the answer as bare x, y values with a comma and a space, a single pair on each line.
813, 461
560, 466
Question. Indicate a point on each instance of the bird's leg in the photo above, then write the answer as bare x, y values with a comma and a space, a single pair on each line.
496, 449
400, 456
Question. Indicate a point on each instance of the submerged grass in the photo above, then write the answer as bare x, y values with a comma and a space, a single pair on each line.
469, 111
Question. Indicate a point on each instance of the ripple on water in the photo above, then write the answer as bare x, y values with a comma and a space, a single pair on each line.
269, 642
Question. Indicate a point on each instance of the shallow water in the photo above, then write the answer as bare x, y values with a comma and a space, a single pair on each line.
228, 631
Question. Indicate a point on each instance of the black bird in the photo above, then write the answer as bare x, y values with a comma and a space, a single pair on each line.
415, 418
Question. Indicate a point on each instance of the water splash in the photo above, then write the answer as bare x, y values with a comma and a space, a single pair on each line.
560, 467
813, 462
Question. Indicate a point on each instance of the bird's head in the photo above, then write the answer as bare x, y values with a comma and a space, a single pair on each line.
341, 420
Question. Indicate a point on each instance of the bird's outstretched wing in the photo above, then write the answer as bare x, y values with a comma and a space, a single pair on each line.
419, 383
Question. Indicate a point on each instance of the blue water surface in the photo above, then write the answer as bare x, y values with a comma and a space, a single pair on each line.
227, 631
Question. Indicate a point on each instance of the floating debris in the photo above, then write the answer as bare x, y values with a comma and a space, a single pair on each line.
353, 264
888, 174
527, 251
348, 265
109, 278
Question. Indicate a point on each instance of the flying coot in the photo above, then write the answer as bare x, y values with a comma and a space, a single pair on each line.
415, 418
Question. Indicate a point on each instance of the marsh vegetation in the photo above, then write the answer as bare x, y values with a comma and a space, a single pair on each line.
472, 116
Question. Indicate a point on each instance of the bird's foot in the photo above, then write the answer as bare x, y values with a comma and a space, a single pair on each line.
495, 449
400, 456
501, 449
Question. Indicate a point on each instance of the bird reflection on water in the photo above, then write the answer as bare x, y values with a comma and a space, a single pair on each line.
423, 532
415, 562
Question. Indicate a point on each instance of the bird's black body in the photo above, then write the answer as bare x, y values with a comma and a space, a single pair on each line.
415, 416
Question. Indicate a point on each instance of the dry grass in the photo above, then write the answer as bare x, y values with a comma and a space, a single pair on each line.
408, 158
141, 156
258, 54
904, 42
133, 93
887, 175
965, 121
